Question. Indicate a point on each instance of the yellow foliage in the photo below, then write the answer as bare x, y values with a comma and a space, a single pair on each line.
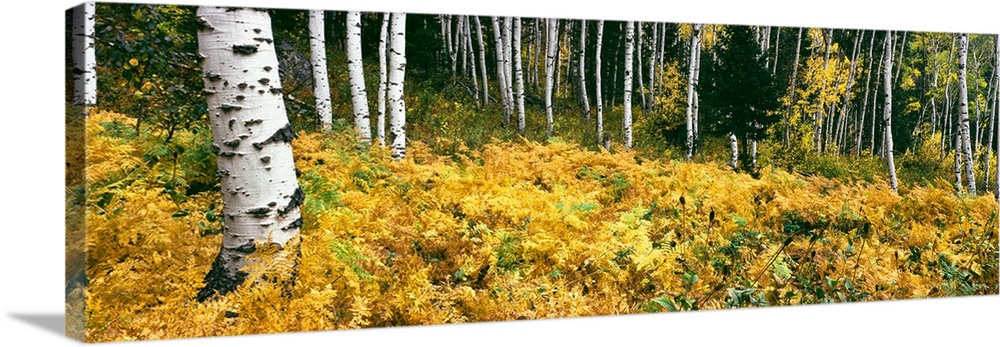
520, 231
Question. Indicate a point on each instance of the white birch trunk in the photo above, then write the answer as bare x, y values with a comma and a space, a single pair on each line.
653, 53
482, 61
84, 55
996, 113
887, 82
734, 159
792, 84
842, 125
550, 57
518, 75
355, 72
321, 83
507, 63
501, 70
471, 57
963, 113
864, 105
695, 46
383, 77
597, 83
638, 66
397, 74
627, 87
252, 140
582, 65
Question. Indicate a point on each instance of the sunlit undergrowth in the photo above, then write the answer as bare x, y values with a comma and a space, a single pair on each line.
512, 230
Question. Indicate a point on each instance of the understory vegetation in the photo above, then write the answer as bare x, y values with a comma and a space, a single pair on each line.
508, 230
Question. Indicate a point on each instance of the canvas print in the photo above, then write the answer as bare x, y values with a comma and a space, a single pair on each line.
245, 170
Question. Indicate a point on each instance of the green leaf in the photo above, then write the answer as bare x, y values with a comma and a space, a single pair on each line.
666, 303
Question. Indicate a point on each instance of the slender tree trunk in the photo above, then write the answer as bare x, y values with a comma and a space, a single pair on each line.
460, 43
472, 60
695, 47
321, 84
507, 61
792, 83
518, 75
864, 105
963, 113
582, 65
550, 57
252, 139
653, 53
887, 111
899, 59
355, 70
449, 43
84, 56
777, 44
397, 76
946, 128
482, 61
734, 159
597, 74
878, 81
638, 66
383, 77
501, 70
538, 50
996, 111
627, 92
847, 94
819, 118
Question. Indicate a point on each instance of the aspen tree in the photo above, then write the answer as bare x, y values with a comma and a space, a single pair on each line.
397, 74
321, 82
355, 72
627, 87
252, 139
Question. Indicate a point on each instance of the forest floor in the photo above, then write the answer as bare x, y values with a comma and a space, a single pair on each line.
511, 230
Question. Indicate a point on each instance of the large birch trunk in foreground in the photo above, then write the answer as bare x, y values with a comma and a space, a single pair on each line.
84, 56
321, 83
356, 74
887, 82
252, 140
627, 92
963, 113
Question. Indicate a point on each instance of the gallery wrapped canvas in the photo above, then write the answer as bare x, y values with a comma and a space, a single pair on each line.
230, 172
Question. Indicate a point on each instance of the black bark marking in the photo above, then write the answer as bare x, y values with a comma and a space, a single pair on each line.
296, 224
232, 143
207, 92
266, 159
267, 68
240, 97
231, 123
272, 204
263, 39
229, 107
284, 134
259, 212
276, 90
247, 248
215, 149
264, 81
242, 85
203, 24
252, 122
256, 30
227, 154
213, 77
245, 49
296, 200
218, 281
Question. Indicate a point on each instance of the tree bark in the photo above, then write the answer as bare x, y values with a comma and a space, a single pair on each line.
583, 75
963, 113
397, 77
482, 61
550, 57
887, 111
597, 86
734, 159
321, 83
864, 105
356, 74
518, 75
383, 77
693, 63
842, 126
638, 65
501, 70
84, 56
627, 87
252, 139
507, 62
